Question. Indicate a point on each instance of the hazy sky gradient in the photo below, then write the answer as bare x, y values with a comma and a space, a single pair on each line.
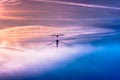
90, 27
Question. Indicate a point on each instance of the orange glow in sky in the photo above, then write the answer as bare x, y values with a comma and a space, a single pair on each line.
17, 34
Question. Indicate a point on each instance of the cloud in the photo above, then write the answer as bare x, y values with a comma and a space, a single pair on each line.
33, 61
80, 4
36, 34
9, 2
5, 13
12, 18
24, 33
28, 13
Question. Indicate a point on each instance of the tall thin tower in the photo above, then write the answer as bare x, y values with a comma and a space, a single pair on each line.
57, 39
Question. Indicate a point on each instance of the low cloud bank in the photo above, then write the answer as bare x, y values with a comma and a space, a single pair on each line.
33, 62
30, 62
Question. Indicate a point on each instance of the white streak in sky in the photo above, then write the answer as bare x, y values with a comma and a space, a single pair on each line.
80, 4
9, 2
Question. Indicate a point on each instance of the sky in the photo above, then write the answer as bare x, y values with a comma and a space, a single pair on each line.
89, 47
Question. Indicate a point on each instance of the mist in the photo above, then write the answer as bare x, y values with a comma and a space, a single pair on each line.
33, 63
